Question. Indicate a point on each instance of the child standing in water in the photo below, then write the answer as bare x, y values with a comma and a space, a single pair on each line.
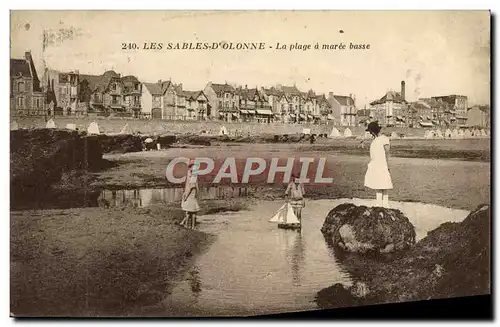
377, 175
295, 194
190, 197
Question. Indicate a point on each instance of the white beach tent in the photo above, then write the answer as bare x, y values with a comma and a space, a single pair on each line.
347, 132
71, 127
93, 128
461, 134
306, 131
334, 133
467, 134
447, 134
50, 124
483, 132
14, 126
223, 131
438, 134
429, 134
394, 135
126, 130
454, 134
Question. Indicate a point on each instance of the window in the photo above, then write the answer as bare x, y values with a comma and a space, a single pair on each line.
113, 87
20, 101
63, 89
20, 86
136, 87
220, 104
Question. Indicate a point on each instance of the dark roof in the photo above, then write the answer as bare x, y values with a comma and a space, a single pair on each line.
153, 88
272, 91
95, 82
221, 88
483, 108
19, 67
130, 79
248, 94
291, 90
449, 98
389, 96
344, 100
129, 83
189, 95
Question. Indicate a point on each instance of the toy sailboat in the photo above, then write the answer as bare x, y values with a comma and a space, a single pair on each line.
286, 218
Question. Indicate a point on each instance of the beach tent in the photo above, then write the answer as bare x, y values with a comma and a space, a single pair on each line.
447, 134
14, 126
347, 132
50, 124
223, 131
438, 134
93, 128
126, 130
394, 135
461, 134
467, 134
335, 132
483, 132
71, 126
306, 131
429, 134
454, 134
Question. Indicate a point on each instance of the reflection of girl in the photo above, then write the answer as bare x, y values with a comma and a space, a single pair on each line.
190, 197
377, 175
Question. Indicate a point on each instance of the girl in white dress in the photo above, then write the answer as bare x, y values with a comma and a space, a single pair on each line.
190, 197
377, 175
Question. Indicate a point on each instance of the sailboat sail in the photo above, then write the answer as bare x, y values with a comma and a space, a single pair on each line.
280, 215
285, 215
291, 218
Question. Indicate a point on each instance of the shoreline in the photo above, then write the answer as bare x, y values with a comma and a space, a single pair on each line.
135, 254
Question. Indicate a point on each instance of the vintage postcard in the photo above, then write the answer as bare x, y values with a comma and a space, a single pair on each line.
245, 163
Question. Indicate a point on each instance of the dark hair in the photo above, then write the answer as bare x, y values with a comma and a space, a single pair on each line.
373, 128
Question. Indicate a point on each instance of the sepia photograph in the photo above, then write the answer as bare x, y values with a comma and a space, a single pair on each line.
247, 163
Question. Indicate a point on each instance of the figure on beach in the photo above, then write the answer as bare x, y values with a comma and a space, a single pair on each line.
190, 197
377, 176
295, 195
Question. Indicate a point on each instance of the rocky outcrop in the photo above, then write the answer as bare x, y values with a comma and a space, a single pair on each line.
39, 157
368, 229
451, 261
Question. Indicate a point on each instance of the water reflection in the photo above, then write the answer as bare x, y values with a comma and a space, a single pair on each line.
147, 197
195, 281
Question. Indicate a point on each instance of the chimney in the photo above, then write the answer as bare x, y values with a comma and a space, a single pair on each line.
246, 87
27, 56
159, 81
180, 86
330, 94
403, 90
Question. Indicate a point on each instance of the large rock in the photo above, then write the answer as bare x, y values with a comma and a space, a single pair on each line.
453, 260
368, 229
39, 157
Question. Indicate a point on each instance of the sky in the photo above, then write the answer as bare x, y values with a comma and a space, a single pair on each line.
435, 52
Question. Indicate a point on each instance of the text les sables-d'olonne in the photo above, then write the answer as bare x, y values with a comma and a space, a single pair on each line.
242, 46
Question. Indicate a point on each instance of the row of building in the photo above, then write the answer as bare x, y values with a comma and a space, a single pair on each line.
110, 94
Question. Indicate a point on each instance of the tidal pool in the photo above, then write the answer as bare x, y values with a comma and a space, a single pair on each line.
255, 268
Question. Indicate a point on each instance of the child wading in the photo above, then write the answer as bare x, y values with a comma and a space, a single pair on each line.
295, 194
190, 197
377, 175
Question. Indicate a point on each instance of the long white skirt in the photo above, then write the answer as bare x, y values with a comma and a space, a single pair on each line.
377, 176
